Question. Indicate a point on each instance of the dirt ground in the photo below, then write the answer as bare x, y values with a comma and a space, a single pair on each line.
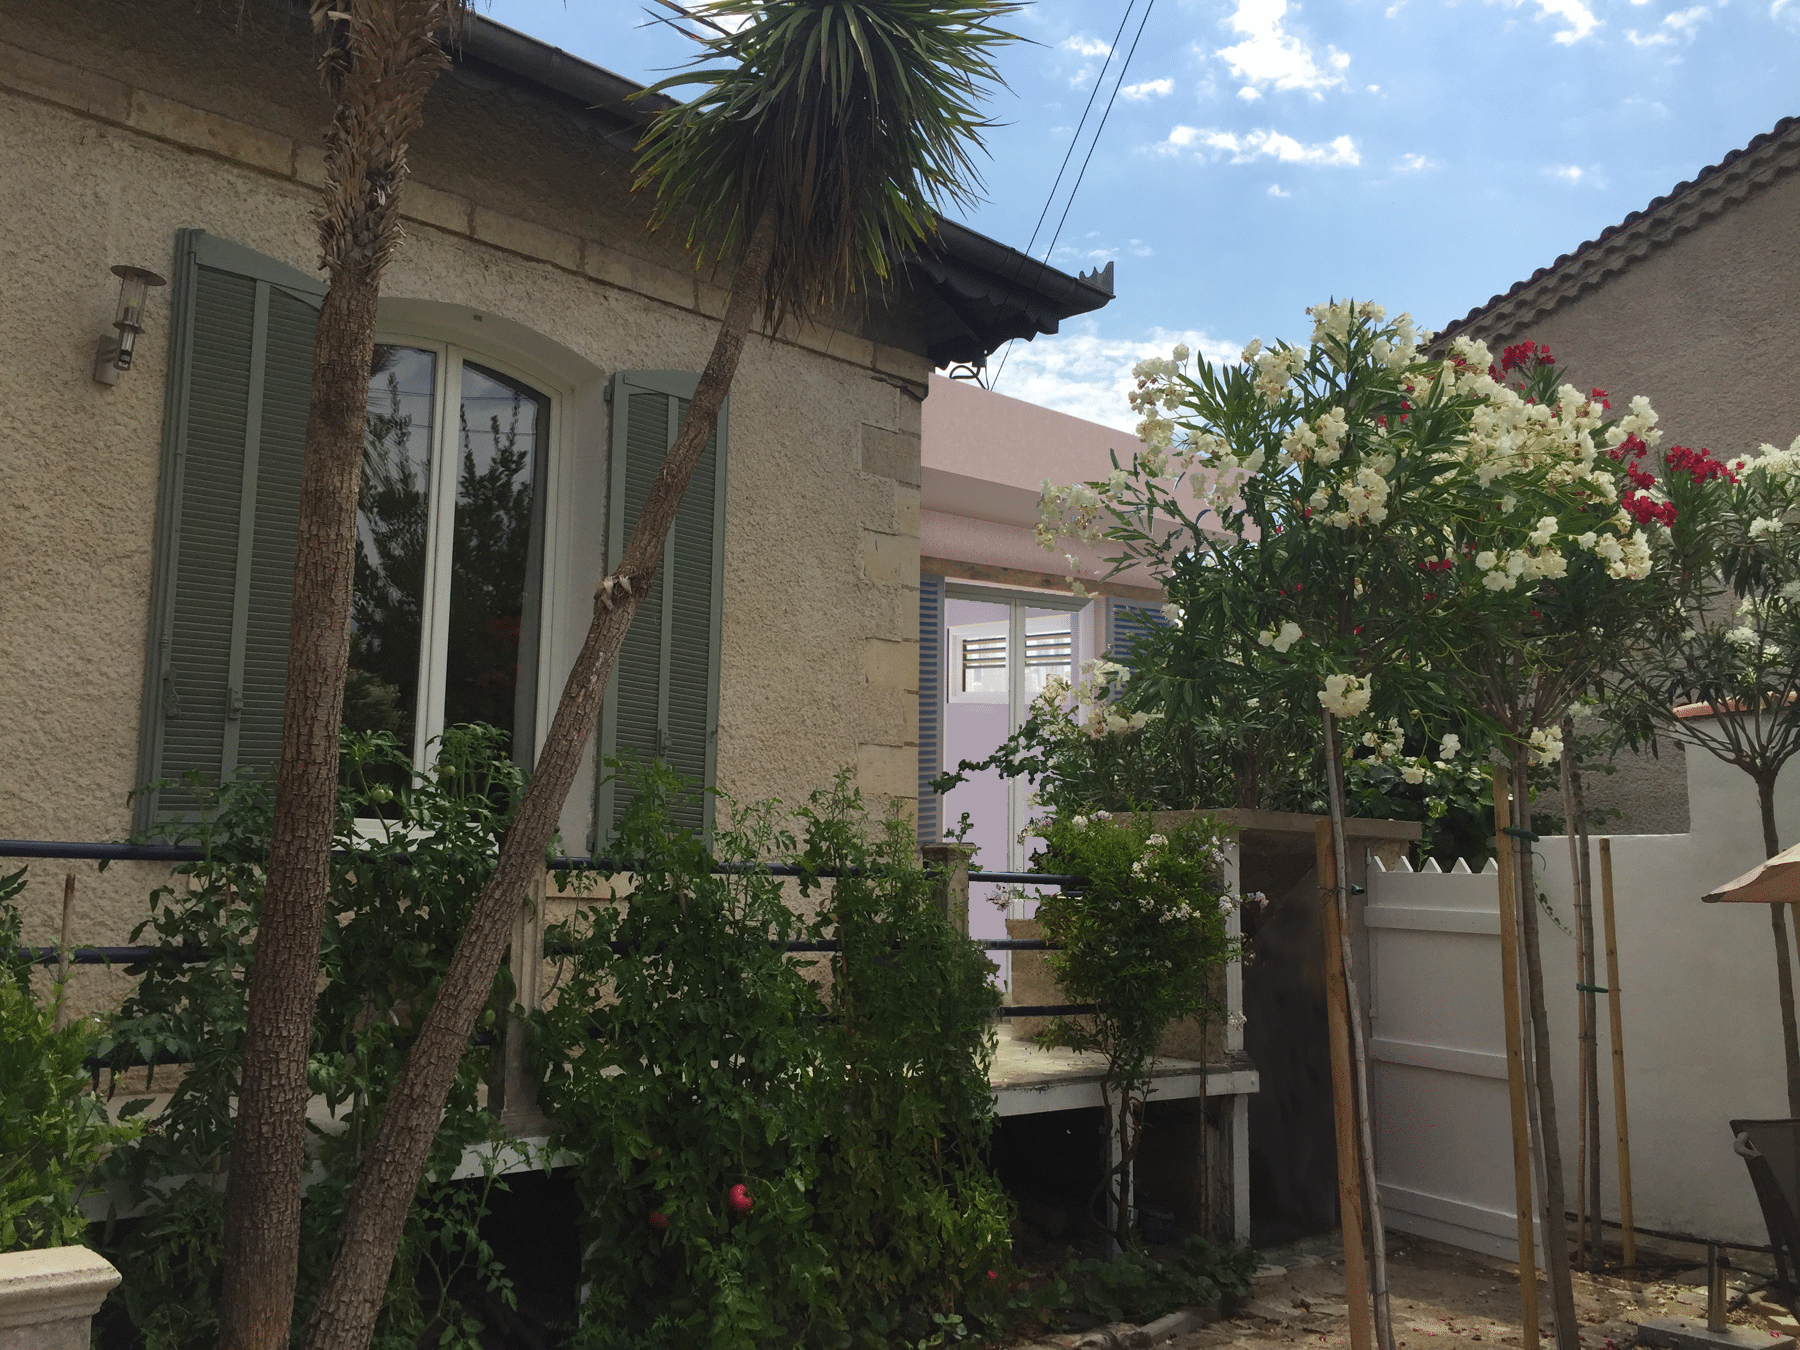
1444, 1297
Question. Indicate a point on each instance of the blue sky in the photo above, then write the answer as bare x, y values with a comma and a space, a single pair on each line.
1264, 154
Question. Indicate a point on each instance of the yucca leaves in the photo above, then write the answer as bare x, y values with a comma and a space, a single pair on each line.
852, 121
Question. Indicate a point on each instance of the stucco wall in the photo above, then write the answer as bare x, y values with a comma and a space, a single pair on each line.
1702, 319
820, 608
1701, 1016
1702, 325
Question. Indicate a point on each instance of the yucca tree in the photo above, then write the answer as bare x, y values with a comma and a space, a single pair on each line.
379, 59
824, 136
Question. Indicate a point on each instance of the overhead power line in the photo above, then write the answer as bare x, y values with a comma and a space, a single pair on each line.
1124, 68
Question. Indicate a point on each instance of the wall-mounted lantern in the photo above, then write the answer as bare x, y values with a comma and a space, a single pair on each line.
114, 352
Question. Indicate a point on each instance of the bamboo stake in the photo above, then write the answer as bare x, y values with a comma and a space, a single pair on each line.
1515, 1059
1350, 1202
63, 951
1583, 1004
1551, 1195
1590, 1049
1628, 1235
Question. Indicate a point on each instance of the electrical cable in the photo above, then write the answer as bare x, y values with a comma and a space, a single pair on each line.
1074, 140
1098, 131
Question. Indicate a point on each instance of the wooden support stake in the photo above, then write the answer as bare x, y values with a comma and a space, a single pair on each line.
1583, 1004
1349, 1166
1515, 1058
64, 952
1628, 1235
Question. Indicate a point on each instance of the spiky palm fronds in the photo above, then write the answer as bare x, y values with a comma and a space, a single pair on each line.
851, 121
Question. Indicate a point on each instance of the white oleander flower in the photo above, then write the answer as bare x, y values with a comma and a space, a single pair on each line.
1448, 747
1547, 745
1344, 696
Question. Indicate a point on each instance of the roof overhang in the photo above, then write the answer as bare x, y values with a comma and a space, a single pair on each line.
973, 293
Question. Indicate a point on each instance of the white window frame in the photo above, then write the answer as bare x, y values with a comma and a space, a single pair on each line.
434, 610
1081, 646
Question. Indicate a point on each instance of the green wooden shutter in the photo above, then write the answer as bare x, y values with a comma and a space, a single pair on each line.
1126, 622
234, 428
663, 699
931, 707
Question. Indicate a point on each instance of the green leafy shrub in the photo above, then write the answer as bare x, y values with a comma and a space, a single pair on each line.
53, 1131
1140, 941
399, 896
1141, 1287
688, 1055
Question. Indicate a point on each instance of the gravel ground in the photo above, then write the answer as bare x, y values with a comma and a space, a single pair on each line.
1444, 1297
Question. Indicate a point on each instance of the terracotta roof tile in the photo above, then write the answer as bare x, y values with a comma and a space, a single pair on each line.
1771, 155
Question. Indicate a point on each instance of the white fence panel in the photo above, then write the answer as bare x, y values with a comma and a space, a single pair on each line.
1437, 1051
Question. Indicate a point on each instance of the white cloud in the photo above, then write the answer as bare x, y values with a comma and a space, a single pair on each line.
1275, 190
1681, 23
1575, 175
1249, 93
1081, 373
1575, 14
1148, 89
1086, 46
1410, 163
1260, 144
1270, 55
1075, 254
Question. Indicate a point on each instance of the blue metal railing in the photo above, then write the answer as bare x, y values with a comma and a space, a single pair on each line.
68, 850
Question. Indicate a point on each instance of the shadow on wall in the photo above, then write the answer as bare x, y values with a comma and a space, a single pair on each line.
1293, 1145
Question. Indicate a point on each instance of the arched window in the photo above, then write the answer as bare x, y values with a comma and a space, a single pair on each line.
449, 552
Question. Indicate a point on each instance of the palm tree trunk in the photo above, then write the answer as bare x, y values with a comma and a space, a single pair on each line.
390, 1171
1784, 972
1555, 1234
382, 56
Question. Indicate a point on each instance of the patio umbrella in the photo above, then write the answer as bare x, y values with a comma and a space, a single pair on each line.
1774, 882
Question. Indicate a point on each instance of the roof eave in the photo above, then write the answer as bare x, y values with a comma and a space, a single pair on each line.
978, 293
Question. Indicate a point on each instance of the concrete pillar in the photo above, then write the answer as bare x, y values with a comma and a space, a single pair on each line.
48, 1298
953, 890
512, 1095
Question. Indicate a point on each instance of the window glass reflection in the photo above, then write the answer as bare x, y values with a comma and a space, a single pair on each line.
392, 531
490, 674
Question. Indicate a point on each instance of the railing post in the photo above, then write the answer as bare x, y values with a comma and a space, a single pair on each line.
953, 883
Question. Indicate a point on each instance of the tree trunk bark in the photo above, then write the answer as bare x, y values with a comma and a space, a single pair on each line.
1555, 1232
380, 58
1590, 1240
268, 1152
1334, 779
1784, 971
390, 1171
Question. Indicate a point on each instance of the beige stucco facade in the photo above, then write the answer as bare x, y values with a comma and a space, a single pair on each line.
1693, 302
126, 123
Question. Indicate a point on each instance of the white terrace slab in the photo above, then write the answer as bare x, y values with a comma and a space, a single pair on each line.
1027, 1079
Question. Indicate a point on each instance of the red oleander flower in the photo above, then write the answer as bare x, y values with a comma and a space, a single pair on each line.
740, 1198
658, 1220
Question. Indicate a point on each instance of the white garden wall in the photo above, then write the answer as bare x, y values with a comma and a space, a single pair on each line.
1701, 1022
